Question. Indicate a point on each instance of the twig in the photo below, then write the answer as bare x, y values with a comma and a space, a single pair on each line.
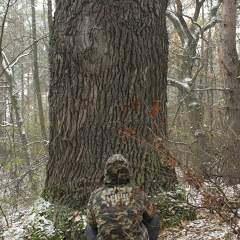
4, 215
20, 55
3, 24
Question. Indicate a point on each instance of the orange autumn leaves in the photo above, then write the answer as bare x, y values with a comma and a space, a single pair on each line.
155, 110
129, 130
153, 114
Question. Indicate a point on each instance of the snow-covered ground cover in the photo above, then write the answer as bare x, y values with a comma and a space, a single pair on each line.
209, 225
29, 222
40, 222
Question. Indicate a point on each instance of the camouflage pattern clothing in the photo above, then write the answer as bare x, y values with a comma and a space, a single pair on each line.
118, 208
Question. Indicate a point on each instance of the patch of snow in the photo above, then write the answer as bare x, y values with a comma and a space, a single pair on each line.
187, 80
32, 221
197, 132
207, 225
193, 104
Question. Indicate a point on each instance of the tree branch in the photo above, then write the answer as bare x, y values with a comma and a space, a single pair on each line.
215, 8
3, 24
180, 24
214, 19
5, 217
177, 25
182, 21
183, 86
20, 55
197, 9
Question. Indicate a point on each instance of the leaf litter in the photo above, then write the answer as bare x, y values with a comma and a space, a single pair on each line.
209, 225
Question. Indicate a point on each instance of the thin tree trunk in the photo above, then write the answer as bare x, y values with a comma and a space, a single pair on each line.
22, 92
2, 107
36, 73
1, 81
229, 63
50, 17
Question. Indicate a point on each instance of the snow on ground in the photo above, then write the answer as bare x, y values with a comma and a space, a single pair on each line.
208, 225
30, 221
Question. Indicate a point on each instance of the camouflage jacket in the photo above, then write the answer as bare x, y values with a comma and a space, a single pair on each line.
118, 208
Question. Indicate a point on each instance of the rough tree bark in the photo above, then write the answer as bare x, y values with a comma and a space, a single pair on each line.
229, 64
108, 64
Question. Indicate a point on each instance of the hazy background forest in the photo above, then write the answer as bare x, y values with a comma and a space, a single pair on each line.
197, 121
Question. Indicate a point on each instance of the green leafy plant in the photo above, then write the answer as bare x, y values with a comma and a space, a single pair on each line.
46, 221
173, 208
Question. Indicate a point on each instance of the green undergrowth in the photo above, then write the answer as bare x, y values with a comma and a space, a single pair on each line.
46, 221
173, 208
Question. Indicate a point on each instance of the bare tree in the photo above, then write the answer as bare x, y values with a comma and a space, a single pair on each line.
2, 107
229, 64
11, 80
190, 32
50, 17
36, 72
17, 109
188, 66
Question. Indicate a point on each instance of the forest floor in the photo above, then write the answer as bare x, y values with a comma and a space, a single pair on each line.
209, 225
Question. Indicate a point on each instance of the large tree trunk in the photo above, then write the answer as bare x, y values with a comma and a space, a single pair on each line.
107, 93
229, 64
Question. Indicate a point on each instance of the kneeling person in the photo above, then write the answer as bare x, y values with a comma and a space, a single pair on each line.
119, 209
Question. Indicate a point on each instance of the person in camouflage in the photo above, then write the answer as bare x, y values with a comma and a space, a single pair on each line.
119, 209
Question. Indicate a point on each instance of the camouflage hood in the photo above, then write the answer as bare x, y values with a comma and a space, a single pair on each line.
116, 171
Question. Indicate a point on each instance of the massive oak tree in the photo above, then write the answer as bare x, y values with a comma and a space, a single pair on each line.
108, 63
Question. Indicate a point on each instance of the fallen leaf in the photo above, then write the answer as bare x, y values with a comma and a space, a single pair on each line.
77, 218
